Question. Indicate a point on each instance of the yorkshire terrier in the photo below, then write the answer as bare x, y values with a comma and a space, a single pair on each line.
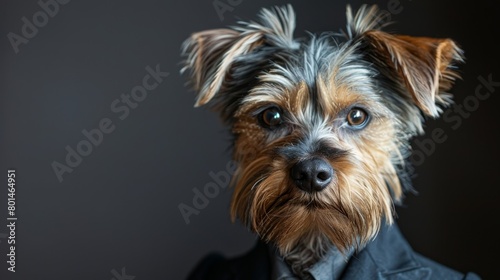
321, 130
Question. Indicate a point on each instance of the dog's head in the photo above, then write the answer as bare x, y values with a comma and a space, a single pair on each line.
321, 125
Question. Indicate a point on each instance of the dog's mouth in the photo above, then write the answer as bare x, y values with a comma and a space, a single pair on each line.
313, 204
293, 197
305, 202
309, 203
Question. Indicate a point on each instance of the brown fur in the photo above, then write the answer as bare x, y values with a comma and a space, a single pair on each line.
421, 63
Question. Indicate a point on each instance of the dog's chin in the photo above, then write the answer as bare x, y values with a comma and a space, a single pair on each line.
304, 223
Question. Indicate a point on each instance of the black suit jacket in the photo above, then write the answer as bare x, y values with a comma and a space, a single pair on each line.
389, 256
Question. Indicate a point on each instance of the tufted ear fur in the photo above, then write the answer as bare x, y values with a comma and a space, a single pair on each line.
422, 66
210, 54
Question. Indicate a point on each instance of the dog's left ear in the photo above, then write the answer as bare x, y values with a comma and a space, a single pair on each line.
423, 65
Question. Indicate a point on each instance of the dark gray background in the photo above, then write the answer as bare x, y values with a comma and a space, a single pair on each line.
119, 207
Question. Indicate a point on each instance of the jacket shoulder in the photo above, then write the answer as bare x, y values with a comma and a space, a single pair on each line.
440, 271
393, 257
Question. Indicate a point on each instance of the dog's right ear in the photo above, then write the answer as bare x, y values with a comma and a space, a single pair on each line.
211, 53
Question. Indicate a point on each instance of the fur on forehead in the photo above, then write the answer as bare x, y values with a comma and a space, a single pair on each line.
410, 74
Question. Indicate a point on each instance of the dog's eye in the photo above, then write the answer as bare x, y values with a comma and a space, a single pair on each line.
357, 118
271, 117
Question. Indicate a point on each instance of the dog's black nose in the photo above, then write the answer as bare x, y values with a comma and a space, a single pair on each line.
312, 175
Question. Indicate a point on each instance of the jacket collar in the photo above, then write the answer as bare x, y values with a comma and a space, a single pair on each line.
388, 256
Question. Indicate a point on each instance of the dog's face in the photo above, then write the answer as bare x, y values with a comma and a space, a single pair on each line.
320, 127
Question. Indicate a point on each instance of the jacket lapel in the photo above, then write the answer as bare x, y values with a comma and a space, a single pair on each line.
389, 256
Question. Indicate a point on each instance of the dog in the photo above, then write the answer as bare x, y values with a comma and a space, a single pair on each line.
321, 132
